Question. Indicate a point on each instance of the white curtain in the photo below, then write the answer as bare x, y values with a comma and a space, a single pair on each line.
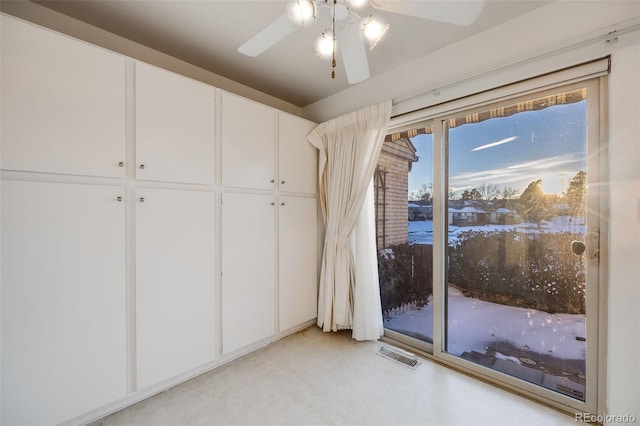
349, 148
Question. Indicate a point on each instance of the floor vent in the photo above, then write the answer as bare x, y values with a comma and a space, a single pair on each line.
399, 356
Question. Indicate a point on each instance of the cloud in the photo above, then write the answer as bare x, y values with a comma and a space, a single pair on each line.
550, 163
492, 144
523, 173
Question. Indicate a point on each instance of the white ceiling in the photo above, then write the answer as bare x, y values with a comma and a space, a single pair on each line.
207, 34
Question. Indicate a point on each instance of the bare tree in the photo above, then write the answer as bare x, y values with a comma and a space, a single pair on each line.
488, 191
508, 193
425, 193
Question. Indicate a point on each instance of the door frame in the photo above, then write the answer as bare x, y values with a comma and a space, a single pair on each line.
597, 221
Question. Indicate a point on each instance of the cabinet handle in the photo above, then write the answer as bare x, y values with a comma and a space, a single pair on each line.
273, 180
282, 204
282, 182
121, 164
141, 199
273, 204
142, 166
119, 199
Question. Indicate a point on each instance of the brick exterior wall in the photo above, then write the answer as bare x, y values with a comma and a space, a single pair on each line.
395, 160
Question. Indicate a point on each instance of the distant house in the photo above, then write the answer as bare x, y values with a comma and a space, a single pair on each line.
391, 183
479, 212
467, 216
504, 215
420, 211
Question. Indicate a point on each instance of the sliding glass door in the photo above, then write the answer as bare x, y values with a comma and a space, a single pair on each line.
513, 228
404, 210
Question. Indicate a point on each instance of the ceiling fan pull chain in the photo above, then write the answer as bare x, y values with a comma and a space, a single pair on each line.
333, 34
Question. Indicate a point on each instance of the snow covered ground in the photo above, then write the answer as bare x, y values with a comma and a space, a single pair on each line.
421, 232
475, 324
553, 344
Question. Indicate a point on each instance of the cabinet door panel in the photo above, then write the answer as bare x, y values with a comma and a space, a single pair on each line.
175, 127
63, 300
175, 282
248, 268
63, 100
248, 143
298, 262
298, 159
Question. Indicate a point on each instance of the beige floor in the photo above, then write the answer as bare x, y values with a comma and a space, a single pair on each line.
315, 378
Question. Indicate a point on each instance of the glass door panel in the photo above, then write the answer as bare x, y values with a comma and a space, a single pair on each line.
516, 255
403, 185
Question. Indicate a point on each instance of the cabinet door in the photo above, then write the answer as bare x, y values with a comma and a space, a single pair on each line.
175, 127
248, 268
298, 159
175, 283
298, 261
248, 143
62, 99
63, 300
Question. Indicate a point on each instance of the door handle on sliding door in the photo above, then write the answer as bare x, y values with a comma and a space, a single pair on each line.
591, 245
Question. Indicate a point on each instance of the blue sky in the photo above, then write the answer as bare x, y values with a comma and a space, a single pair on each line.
547, 144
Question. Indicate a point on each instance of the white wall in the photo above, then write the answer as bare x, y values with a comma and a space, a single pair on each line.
624, 237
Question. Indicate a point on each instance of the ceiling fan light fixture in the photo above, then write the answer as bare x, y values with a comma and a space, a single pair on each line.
301, 11
357, 4
373, 30
324, 46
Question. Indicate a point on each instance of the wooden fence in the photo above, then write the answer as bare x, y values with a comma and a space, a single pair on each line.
417, 264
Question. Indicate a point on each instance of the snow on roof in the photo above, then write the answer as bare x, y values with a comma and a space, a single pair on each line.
467, 209
414, 205
503, 210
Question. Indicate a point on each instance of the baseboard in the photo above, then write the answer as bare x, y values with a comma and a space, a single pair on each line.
135, 397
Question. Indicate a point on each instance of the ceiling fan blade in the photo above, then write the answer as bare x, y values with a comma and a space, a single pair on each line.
452, 12
276, 31
354, 54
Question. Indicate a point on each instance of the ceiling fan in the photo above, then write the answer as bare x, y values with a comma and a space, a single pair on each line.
348, 30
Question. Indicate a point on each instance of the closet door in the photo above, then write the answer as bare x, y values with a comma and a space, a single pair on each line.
63, 300
248, 143
298, 159
298, 261
175, 127
63, 100
175, 283
248, 269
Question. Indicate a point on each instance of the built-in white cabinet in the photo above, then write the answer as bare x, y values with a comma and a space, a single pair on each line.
269, 242
64, 329
297, 158
298, 261
124, 263
248, 269
248, 140
265, 265
174, 127
252, 135
63, 104
175, 282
